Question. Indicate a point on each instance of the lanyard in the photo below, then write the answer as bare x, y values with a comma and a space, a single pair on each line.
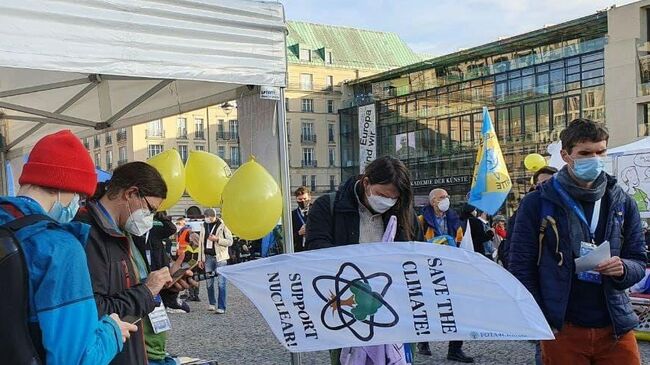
577, 209
301, 216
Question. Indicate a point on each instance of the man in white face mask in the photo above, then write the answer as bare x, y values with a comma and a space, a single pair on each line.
437, 220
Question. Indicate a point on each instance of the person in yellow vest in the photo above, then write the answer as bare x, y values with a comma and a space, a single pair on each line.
438, 220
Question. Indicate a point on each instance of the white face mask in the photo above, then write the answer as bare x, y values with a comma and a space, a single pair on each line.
443, 205
381, 204
139, 222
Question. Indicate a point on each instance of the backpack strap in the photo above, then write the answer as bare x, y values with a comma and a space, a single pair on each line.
21, 220
546, 213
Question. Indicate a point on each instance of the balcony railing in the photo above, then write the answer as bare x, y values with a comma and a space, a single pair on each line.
227, 136
121, 136
181, 134
199, 135
154, 133
309, 163
308, 138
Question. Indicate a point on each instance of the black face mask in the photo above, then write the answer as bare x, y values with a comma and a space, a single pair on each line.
303, 205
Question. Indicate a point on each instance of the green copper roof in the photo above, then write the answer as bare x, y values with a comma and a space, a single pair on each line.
350, 47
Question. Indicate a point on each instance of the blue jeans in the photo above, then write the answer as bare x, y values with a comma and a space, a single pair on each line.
166, 361
211, 265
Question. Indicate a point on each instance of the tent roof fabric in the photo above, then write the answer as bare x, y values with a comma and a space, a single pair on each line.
350, 47
642, 144
92, 65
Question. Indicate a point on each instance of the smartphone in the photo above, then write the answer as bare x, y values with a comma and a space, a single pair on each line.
181, 272
131, 319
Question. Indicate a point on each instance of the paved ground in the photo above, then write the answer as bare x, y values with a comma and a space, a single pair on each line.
242, 337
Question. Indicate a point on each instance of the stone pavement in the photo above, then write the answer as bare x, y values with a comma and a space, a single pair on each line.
241, 336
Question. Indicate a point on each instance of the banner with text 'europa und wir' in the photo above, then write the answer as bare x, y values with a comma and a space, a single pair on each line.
385, 293
367, 136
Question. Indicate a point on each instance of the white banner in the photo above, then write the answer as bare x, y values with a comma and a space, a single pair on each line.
387, 293
633, 174
367, 136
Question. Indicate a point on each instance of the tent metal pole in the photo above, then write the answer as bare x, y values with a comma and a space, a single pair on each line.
38, 88
141, 99
43, 113
285, 185
3, 173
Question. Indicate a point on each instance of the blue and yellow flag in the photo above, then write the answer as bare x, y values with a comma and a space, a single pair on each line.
491, 182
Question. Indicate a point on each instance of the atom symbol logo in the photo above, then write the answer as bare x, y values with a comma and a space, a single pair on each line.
353, 304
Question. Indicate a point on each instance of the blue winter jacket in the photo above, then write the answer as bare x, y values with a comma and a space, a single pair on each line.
550, 283
61, 298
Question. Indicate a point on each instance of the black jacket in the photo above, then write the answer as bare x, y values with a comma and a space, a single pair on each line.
114, 280
297, 223
479, 234
342, 228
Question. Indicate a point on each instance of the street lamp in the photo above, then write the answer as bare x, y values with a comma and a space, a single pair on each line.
227, 108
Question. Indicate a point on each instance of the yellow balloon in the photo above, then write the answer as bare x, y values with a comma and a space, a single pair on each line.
205, 177
170, 166
252, 202
534, 162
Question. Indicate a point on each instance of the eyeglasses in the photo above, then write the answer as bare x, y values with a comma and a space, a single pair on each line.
152, 210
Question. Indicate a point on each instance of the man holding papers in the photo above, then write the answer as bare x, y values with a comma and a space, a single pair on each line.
577, 245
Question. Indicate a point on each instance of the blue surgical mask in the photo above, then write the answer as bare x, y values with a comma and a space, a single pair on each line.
588, 169
63, 214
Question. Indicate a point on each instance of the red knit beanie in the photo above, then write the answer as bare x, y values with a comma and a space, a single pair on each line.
60, 161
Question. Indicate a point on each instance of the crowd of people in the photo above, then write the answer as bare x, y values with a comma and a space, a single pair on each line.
566, 214
100, 273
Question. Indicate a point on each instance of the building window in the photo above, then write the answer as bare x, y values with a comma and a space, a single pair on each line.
122, 156
221, 151
96, 139
305, 54
234, 129
234, 156
220, 125
330, 106
199, 148
328, 58
330, 133
121, 134
182, 150
307, 132
98, 160
313, 182
332, 157
329, 82
109, 159
288, 130
108, 138
308, 157
332, 182
304, 180
286, 104
155, 149
86, 143
181, 128
306, 82
154, 129
198, 128
644, 123
307, 105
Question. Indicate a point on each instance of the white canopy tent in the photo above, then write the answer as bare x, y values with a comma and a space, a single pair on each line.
104, 64
642, 144
96, 65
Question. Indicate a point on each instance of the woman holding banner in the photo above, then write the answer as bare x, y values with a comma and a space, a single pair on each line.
360, 212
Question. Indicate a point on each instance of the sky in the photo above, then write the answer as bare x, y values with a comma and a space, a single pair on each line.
438, 27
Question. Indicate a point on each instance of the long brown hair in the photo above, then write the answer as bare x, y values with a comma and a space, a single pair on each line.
389, 170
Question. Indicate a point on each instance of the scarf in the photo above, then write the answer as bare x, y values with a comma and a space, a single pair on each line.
578, 231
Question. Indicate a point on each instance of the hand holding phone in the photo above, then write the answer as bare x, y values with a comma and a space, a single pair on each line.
180, 273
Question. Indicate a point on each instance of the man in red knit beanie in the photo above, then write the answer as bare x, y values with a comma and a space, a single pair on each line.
63, 322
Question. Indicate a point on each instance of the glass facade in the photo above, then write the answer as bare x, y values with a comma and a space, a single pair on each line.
432, 120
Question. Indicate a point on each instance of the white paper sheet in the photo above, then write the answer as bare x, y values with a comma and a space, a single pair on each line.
595, 257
